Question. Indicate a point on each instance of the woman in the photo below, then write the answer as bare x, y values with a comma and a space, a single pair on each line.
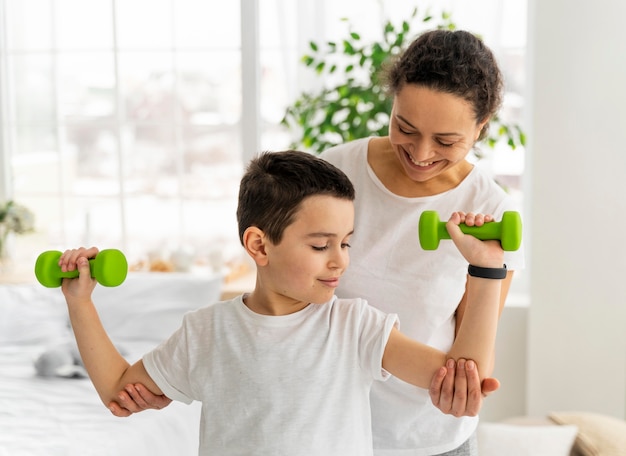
445, 87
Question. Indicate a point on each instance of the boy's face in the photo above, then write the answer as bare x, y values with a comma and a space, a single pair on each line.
313, 254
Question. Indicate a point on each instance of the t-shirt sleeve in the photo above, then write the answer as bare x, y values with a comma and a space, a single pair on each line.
375, 327
168, 365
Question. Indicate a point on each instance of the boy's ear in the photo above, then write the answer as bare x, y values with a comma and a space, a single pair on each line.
254, 242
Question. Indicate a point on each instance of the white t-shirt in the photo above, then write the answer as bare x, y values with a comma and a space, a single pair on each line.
392, 272
277, 385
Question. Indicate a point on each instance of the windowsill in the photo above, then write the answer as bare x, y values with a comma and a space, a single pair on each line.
15, 274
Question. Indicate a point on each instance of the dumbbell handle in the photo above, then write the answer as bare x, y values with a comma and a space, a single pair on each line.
488, 231
73, 274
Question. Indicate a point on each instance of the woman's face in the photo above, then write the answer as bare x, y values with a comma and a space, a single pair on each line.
431, 132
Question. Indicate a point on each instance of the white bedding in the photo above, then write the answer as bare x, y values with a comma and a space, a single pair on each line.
59, 416
64, 416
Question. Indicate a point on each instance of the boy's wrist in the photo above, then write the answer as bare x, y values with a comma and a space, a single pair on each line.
487, 273
79, 302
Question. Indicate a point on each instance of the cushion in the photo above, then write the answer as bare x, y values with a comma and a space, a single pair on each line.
498, 439
149, 306
32, 314
598, 435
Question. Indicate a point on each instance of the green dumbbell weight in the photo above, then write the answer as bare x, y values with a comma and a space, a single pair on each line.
508, 231
109, 268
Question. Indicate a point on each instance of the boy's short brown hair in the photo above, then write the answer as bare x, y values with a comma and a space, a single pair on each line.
276, 183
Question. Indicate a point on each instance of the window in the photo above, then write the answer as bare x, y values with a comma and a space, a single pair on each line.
122, 123
122, 130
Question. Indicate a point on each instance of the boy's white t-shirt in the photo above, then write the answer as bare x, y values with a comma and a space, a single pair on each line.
393, 273
277, 385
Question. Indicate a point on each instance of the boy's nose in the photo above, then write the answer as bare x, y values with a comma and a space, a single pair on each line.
340, 260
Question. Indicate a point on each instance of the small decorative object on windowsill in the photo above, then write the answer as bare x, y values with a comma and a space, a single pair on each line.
14, 218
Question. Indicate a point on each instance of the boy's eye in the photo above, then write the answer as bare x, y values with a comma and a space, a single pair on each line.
321, 248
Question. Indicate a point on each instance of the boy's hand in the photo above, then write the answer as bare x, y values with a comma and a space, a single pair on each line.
137, 398
79, 289
486, 254
456, 389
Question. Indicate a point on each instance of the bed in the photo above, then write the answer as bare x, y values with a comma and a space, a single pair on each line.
62, 414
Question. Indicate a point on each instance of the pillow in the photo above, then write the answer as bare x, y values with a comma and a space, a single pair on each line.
32, 314
598, 435
497, 439
150, 306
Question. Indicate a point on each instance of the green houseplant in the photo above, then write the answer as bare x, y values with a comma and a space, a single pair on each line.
353, 103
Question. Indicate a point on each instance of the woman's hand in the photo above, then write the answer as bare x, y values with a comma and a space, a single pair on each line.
456, 389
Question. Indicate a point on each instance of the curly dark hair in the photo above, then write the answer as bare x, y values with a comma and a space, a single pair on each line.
450, 61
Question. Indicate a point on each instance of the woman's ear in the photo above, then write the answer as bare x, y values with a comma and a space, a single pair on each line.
479, 130
254, 242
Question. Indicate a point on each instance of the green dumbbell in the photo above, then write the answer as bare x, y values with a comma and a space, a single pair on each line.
109, 268
508, 231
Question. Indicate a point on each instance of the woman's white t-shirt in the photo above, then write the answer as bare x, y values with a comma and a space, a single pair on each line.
393, 273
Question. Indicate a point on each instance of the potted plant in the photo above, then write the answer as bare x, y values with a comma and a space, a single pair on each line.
356, 106
14, 218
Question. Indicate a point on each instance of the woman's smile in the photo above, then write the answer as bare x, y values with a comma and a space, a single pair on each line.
424, 165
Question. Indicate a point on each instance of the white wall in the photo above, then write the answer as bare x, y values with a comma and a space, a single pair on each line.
577, 207
511, 366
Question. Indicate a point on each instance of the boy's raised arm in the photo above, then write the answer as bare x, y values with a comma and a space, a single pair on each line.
415, 362
107, 369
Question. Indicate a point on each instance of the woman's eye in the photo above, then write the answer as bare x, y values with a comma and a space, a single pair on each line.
345, 245
445, 144
319, 248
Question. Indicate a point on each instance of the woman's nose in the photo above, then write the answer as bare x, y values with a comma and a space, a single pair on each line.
419, 151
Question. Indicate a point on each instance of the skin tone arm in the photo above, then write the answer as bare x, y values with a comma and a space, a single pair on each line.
107, 369
416, 363
460, 313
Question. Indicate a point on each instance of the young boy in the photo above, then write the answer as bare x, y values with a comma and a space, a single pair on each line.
287, 369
